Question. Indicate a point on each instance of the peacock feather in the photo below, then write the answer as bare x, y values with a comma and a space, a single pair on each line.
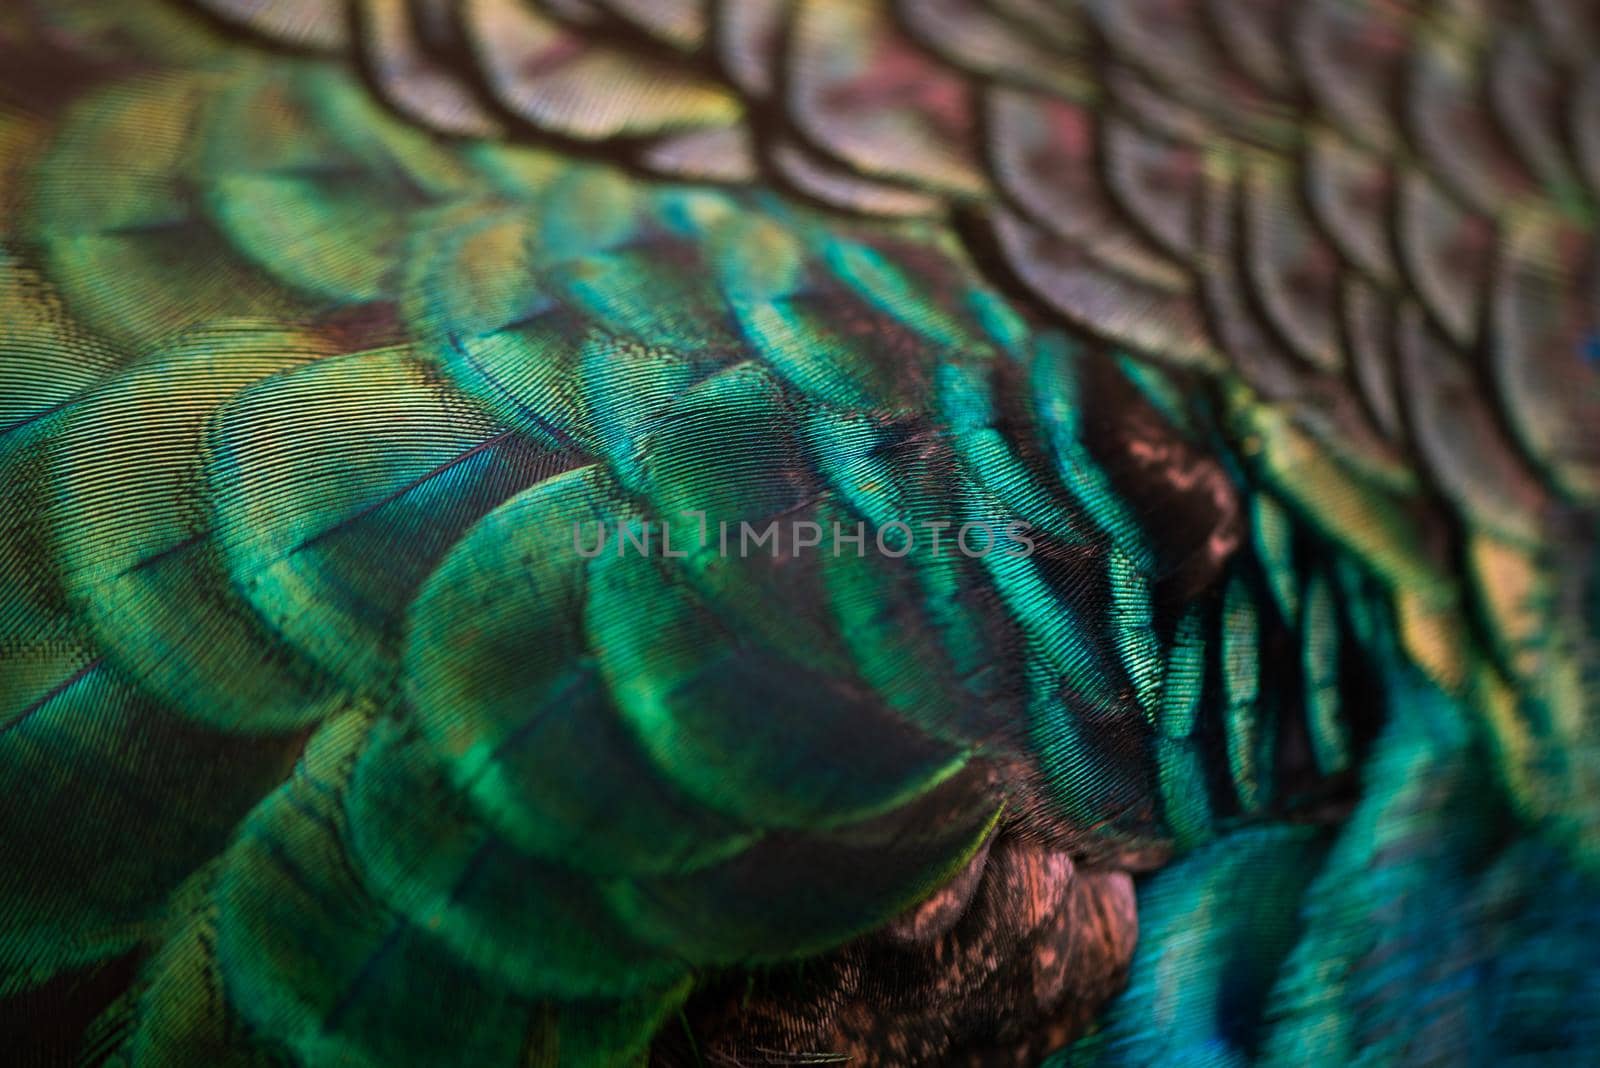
734, 532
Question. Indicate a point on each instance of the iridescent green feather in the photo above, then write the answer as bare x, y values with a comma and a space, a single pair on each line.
1272, 325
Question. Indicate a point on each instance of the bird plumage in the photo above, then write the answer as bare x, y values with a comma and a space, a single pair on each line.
330, 327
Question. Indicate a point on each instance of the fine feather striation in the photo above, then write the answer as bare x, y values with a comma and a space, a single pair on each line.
302, 400
331, 397
1374, 220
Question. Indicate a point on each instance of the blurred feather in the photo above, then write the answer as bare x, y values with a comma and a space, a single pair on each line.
327, 326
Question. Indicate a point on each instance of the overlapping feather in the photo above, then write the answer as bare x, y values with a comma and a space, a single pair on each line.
312, 363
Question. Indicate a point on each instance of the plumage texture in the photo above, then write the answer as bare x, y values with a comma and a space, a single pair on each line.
330, 331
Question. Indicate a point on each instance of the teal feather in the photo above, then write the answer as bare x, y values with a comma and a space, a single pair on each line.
330, 332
